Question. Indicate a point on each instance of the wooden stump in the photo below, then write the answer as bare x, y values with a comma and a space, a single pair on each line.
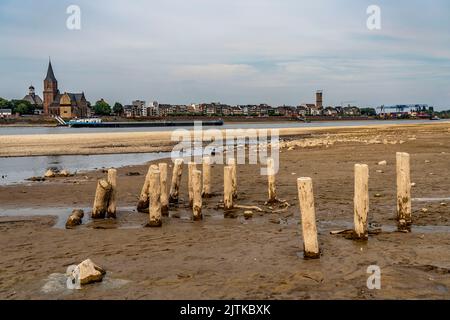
228, 188
164, 195
155, 199
101, 199
404, 219
191, 168
206, 177
176, 179
232, 164
112, 204
142, 205
306, 198
197, 195
361, 201
271, 181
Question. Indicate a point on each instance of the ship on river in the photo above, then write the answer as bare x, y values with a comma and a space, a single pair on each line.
98, 123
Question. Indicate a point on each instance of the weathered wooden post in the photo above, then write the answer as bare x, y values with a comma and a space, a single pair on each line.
206, 177
142, 205
232, 164
176, 179
101, 199
271, 181
191, 168
404, 219
155, 199
112, 204
306, 198
361, 201
197, 195
228, 188
164, 195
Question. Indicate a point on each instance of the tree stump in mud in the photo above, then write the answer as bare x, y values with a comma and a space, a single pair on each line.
361, 201
228, 188
232, 164
164, 195
142, 205
206, 193
155, 199
112, 202
75, 219
101, 199
271, 181
197, 195
404, 219
191, 168
176, 179
308, 217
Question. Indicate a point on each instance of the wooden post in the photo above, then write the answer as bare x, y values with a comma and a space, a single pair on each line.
176, 179
228, 188
164, 195
197, 195
191, 168
232, 164
155, 199
142, 205
404, 219
112, 204
271, 181
101, 199
206, 177
361, 201
306, 198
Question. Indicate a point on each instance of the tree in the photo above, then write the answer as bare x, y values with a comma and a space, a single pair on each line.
22, 107
118, 108
4, 104
102, 108
368, 112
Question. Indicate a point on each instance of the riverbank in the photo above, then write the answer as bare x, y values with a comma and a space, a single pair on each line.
259, 258
153, 141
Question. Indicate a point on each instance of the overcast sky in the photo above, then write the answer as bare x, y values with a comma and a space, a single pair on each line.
232, 51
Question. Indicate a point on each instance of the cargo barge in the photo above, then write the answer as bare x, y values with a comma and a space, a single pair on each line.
98, 123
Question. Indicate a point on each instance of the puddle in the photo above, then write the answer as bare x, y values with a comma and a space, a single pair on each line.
327, 226
430, 199
56, 283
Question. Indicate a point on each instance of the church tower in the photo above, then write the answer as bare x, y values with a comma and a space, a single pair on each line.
50, 88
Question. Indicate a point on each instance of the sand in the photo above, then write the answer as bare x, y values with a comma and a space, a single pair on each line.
259, 258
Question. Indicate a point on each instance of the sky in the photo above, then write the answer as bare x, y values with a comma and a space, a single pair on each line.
231, 51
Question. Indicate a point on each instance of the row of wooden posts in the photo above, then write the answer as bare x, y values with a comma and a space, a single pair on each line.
155, 199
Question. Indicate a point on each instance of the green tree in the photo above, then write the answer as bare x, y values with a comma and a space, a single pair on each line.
102, 108
118, 108
4, 104
22, 107
368, 112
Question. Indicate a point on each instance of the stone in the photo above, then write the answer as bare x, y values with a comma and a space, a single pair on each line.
443, 204
382, 163
133, 174
75, 219
90, 272
377, 195
36, 179
424, 210
413, 184
248, 215
50, 174
427, 161
64, 173
379, 171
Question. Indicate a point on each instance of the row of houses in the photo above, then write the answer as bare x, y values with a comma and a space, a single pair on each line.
140, 109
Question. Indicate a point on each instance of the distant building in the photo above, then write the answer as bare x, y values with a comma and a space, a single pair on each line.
330, 111
319, 99
67, 105
33, 98
140, 105
5, 113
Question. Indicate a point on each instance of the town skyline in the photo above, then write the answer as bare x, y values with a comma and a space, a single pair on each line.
253, 52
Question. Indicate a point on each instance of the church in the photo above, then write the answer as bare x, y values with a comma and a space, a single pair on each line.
66, 105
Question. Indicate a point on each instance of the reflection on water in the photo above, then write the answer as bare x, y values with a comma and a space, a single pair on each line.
17, 169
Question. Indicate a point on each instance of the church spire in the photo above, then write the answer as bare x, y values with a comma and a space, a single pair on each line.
50, 74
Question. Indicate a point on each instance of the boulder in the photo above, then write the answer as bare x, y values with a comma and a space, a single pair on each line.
90, 272
382, 163
64, 173
248, 215
50, 174
75, 219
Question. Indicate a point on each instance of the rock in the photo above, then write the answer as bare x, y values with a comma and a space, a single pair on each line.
424, 210
64, 173
413, 184
379, 171
427, 161
75, 219
50, 174
291, 148
248, 215
36, 179
132, 174
90, 272
443, 204
382, 163
377, 195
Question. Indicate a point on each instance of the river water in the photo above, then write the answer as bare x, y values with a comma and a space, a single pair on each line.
18, 169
